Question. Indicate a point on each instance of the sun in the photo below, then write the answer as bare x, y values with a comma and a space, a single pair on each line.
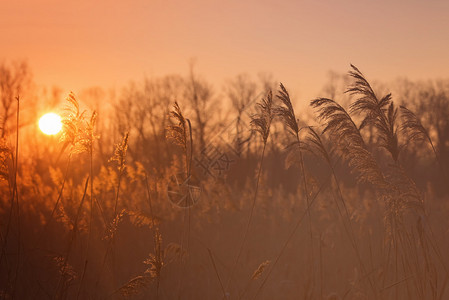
50, 123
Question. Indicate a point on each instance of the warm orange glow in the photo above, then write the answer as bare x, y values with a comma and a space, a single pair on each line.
50, 123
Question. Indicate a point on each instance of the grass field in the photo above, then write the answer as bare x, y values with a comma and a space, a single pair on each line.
169, 191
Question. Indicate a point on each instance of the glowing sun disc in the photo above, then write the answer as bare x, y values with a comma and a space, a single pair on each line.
50, 123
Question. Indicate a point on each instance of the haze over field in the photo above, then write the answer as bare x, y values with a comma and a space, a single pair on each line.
224, 150
77, 44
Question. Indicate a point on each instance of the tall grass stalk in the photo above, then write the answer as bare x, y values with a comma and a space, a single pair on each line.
16, 196
44, 236
400, 195
80, 135
287, 114
261, 123
181, 134
403, 194
216, 273
349, 141
89, 145
157, 238
13, 202
60, 288
317, 147
290, 237
120, 158
413, 129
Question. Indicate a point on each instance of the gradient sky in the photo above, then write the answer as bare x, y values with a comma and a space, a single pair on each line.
76, 44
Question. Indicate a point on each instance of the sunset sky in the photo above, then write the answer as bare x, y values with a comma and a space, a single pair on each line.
77, 44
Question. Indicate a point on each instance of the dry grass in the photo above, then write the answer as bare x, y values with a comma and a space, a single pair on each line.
93, 227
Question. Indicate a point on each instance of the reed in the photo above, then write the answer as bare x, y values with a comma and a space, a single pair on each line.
261, 123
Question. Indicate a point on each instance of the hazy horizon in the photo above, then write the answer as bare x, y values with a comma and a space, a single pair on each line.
84, 44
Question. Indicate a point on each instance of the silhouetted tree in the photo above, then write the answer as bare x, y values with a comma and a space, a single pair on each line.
15, 78
199, 96
142, 109
241, 91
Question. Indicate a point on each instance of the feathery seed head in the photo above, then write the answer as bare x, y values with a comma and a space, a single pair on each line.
261, 121
177, 132
286, 112
120, 152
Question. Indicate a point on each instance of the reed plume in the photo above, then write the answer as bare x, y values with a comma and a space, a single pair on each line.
260, 269
412, 126
380, 113
345, 133
155, 263
287, 115
181, 134
5, 156
178, 132
120, 157
79, 134
286, 112
261, 121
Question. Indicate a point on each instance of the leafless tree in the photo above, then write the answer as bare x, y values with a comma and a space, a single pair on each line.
241, 91
15, 78
200, 98
142, 109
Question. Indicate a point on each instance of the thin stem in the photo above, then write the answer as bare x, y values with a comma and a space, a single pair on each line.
290, 237
110, 246
216, 272
156, 239
189, 169
118, 192
14, 189
17, 198
72, 238
350, 231
438, 159
245, 235
58, 200
306, 192
89, 237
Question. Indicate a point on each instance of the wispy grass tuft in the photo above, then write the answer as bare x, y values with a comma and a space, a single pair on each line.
412, 126
287, 114
380, 113
261, 121
345, 133
178, 131
181, 134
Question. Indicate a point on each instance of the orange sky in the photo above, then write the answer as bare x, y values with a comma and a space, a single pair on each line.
77, 44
